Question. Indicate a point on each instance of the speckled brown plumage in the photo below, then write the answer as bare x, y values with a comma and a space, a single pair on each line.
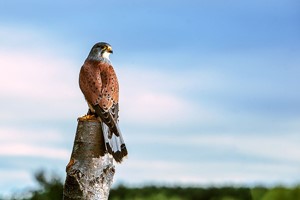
99, 84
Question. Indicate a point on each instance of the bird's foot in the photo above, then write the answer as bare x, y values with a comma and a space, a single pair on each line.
87, 117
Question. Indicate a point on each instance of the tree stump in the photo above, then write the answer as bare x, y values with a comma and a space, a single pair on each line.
90, 170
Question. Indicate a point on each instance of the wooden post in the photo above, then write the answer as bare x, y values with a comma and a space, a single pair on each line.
90, 170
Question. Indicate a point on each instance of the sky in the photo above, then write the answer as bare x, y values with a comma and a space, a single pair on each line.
208, 89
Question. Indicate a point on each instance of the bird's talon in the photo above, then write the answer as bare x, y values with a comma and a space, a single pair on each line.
87, 117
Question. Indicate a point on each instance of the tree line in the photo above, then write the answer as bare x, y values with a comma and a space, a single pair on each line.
52, 189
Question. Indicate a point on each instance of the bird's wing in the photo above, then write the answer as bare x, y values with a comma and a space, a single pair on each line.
90, 82
110, 87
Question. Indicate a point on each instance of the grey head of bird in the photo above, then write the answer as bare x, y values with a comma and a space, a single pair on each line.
100, 50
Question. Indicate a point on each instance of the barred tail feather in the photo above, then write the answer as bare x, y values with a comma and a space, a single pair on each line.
114, 144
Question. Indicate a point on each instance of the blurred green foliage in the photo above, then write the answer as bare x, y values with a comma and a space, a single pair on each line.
180, 193
51, 188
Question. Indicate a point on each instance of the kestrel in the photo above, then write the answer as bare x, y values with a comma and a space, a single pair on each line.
99, 85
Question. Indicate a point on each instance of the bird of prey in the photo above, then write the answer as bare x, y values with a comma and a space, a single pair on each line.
99, 85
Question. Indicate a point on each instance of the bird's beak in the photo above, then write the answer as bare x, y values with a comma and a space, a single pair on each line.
109, 50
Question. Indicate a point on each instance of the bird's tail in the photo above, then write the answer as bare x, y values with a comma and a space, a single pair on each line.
115, 144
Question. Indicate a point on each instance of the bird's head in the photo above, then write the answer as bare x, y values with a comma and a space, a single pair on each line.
100, 50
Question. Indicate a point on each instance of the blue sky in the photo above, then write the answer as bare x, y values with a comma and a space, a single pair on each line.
209, 89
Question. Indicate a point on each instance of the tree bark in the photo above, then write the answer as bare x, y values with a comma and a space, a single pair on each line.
90, 170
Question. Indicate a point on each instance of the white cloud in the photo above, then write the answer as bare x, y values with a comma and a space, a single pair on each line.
154, 108
157, 97
29, 136
38, 143
279, 147
215, 173
21, 149
28, 75
36, 80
